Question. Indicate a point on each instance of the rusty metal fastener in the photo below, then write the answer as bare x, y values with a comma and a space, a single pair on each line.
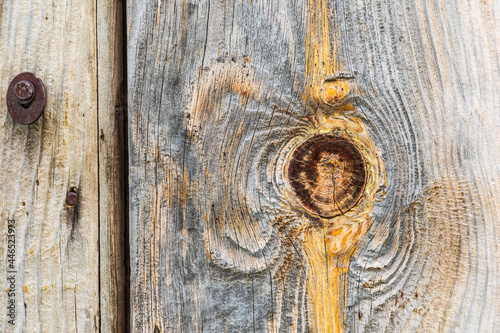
72, 197
24, 91
26, 98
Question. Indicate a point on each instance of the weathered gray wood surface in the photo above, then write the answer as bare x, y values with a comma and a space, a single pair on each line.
425, 76
63, 283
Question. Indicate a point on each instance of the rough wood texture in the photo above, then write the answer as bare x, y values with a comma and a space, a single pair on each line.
113, 241
219, 91
57, 282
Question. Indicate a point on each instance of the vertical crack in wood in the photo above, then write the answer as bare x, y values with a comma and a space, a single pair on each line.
112, 162
126, 171
100, 136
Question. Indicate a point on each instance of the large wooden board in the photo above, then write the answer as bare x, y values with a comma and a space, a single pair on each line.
217, 88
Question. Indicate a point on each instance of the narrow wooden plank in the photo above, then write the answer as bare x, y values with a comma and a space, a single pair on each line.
113, 240
56, 253
221, 92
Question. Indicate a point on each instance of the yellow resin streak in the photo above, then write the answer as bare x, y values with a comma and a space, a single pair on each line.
330, 245
321, 62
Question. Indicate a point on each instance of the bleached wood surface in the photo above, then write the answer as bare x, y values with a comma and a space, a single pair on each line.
57, 246
426, 76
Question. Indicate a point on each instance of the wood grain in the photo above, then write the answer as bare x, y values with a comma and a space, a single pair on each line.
216, 96
113, 189
56, 245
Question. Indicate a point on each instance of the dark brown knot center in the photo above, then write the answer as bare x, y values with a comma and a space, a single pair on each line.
327, 173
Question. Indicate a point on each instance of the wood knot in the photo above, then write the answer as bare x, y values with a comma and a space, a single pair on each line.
327, 173
333, 91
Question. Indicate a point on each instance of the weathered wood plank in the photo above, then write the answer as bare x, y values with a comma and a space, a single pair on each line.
431, 265
56, 259
112, 167
221, 92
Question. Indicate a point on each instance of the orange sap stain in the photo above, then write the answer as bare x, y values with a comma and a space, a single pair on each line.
321, 59
334, 91
330, 244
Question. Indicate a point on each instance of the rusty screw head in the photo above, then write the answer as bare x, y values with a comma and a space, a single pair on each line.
72, 197
24, 91
26, 98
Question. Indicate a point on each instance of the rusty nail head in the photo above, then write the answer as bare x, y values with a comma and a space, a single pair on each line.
72, 197
26, 98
